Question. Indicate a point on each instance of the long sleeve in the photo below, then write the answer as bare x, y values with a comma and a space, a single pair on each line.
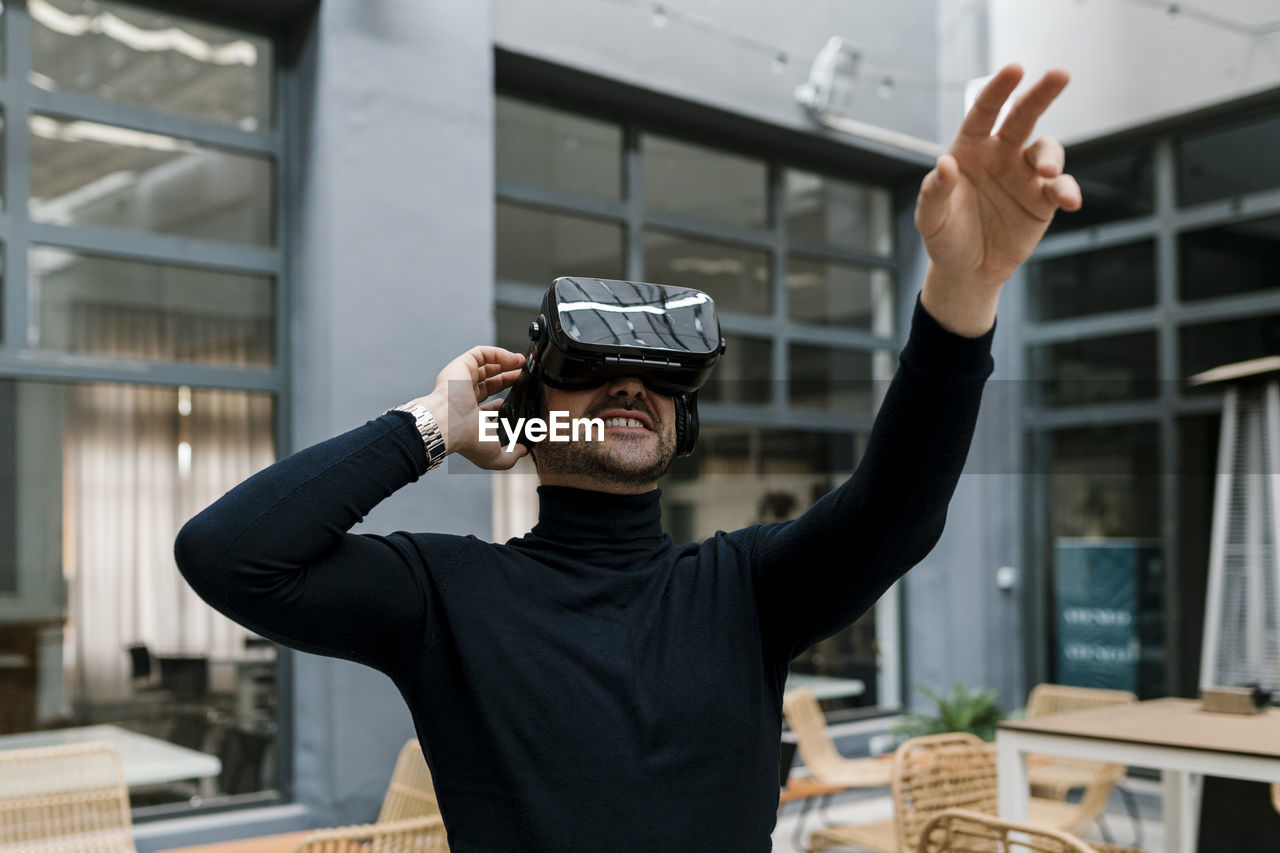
275, 554
820, 572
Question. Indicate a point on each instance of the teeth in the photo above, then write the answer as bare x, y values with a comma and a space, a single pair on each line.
630, 422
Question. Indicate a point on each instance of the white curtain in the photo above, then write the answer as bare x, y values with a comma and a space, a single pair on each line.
138, 461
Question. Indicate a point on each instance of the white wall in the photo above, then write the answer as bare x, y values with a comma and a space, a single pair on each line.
1131, 63
718, 60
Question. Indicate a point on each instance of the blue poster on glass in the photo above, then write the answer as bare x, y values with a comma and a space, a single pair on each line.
1109, 618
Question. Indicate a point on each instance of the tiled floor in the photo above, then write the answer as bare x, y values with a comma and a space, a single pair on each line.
859, 807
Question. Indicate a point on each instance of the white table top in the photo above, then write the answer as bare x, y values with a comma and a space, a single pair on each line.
826, 687
147, 760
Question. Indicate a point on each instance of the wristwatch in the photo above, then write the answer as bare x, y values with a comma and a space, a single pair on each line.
432, 439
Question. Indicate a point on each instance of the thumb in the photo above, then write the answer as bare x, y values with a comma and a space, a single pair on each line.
935, 191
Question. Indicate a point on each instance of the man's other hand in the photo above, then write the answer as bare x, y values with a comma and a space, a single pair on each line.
989, 200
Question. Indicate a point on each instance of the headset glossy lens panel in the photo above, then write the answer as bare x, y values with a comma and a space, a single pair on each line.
603, 313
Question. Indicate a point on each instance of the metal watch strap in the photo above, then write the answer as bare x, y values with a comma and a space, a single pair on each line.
432, 438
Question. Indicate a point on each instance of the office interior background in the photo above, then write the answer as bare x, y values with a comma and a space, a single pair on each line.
232, 229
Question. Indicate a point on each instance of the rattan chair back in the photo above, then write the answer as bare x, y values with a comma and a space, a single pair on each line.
1055, 776
962, 831
411, 792
70, 798
931, 774
813, 742
415, 835
1046, 699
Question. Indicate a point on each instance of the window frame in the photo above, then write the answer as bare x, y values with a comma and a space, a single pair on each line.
19, 100
1166, 317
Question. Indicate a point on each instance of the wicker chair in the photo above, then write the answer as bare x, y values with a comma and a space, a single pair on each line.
930, 775
961, 831
1053, 776
68, 799
409, 821
818, 751
415, 835
411, 792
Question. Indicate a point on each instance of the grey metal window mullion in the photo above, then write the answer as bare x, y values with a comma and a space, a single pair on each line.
779, 388
800, 333
815, 251
556, 201
1099, 414
633, 203
1255, 205
17, 177
1097, 237
74, 106
1167, 274
62, 367
164, 248
1075, 328
674, 223
727, 414
285, 109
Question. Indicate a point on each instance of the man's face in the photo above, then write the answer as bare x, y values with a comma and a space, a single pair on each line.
635, 452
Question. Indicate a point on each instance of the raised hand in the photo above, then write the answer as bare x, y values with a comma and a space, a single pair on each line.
989, 200
462, 390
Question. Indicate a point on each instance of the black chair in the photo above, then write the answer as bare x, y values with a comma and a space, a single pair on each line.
142, 676
186, 677
243, 755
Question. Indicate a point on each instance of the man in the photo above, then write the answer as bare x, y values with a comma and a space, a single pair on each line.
593, 685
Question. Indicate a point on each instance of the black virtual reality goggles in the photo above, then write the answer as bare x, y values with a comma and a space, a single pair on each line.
592, 330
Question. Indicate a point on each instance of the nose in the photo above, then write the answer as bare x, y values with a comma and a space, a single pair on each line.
627, 386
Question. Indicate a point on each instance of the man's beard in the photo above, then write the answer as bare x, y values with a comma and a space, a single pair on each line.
592, 459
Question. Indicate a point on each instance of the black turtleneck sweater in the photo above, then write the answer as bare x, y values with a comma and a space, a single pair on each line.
592, 685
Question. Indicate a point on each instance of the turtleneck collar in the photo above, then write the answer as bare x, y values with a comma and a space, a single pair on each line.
569, 513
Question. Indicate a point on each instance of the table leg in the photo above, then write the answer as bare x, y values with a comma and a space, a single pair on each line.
1179, 811
1011, 775
797, 837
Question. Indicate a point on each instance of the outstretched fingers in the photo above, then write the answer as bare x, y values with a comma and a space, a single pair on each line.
1022, 119
982, 116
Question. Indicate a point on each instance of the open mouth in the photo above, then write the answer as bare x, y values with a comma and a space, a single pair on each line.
629, 423
618, 419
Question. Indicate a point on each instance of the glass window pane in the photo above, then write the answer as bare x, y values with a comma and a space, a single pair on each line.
96, 305
737, 279
1115, 186
1236, 258
1111, 279
1107, 568
1095, 370
1209, 345
101, 478
95, 174
834, 294
537, 246
1228, 161
820, 209
743, 374
837, 380
152, 59
551, 148
703, 183
512, 326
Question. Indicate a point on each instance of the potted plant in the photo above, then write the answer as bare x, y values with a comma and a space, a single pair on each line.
964, 710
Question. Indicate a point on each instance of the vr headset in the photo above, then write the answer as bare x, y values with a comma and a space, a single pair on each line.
591, 330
